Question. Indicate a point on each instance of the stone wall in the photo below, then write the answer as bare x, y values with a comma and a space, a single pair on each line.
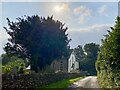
33, 80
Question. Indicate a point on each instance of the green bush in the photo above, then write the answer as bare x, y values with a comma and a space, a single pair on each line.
18, 64
107, 65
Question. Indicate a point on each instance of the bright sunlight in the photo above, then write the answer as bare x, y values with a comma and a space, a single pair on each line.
58, 8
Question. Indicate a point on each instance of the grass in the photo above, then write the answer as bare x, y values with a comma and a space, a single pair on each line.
61, 84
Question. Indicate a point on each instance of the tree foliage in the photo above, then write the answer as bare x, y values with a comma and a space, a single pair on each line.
107, 65
41, 40
79, 53
87, 57
14, 64
6, 59
91, 50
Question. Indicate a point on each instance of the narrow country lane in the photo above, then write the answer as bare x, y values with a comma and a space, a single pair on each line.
88, 82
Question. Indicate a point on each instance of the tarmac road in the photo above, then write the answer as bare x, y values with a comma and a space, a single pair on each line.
88, 82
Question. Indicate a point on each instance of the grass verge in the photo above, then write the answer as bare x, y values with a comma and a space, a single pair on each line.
61, 84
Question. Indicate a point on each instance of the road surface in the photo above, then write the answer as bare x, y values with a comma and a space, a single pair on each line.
88, 82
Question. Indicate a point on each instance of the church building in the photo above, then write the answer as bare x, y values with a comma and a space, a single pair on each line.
73, 64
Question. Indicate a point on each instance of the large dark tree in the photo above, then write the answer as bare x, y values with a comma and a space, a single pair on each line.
87, 57
91, 50
79, 53
41, 40
88, 62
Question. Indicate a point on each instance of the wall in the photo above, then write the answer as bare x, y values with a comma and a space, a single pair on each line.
33, 80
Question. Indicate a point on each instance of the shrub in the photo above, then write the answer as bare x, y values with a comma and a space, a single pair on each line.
107, 65
34, 80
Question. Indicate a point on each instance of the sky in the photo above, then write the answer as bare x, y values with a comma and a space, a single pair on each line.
86, 21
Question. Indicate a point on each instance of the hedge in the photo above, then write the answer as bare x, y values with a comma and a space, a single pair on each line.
34, 80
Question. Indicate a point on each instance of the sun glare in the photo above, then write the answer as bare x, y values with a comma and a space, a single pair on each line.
57, 8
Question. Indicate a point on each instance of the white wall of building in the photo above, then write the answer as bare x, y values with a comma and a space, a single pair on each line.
72, 63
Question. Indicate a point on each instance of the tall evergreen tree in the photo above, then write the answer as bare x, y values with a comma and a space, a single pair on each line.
41, 40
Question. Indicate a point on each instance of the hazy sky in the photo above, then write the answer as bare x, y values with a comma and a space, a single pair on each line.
86, 21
